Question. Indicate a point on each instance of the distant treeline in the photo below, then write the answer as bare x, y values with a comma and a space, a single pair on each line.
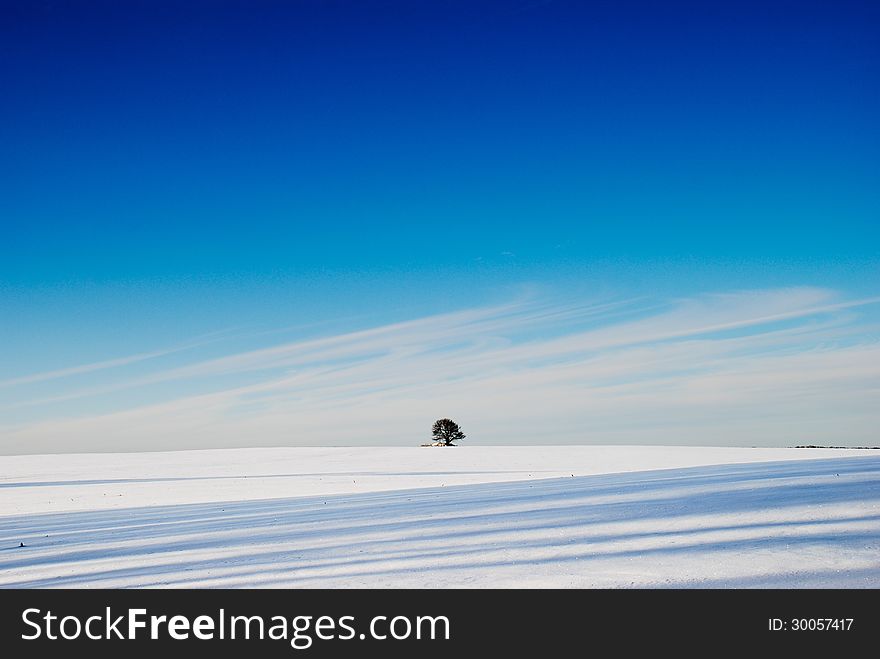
863, 447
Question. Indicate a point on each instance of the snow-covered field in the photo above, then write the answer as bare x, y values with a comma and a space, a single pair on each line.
576, 516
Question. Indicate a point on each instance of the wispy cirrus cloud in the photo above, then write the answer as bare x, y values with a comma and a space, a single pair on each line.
765, 367
105, 364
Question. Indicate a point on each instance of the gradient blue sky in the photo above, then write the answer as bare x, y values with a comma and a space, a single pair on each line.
188, 182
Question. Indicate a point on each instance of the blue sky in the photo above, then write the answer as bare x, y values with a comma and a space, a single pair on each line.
188, 182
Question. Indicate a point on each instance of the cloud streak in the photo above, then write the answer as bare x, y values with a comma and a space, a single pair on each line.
118, 362
766, 367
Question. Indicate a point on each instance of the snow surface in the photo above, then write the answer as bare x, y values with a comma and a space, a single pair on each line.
573, 516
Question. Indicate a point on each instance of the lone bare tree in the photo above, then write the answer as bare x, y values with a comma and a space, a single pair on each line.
446, 431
